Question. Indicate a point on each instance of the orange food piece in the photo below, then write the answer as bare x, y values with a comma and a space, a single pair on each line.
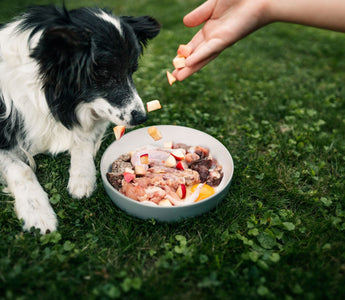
153, 105
119, 131
154, 133
171, 78
206, 191
184, 50
179, 62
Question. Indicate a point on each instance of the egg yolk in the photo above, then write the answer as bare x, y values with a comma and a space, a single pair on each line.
206, 191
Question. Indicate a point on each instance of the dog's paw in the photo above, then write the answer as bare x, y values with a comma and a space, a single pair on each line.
81, 186
38, 214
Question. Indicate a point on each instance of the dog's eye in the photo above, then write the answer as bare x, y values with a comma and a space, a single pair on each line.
106, 74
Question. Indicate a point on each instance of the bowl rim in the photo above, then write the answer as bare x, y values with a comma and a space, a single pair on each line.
225, 185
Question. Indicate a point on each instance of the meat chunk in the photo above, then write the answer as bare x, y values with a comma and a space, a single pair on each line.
202, 151
119, 166
115, 179
214, 178
191, 157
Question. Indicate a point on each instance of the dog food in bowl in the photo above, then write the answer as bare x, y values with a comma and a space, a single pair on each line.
176, 174
139, 139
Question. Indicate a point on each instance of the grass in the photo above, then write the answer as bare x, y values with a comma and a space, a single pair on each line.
276, 101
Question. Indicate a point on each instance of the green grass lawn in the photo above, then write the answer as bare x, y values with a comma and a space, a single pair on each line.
276, 101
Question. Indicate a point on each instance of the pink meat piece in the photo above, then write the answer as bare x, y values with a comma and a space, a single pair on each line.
202, 151
159, 183
191, 157
155, 156
155, 193
133, 191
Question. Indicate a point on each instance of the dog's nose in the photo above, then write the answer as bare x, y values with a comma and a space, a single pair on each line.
138, 117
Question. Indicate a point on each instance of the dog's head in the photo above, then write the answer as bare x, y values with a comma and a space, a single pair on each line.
86, 59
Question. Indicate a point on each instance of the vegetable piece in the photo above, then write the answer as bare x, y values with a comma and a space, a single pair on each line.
139, 170
171, 78
179, 62
144, 159
164, 202
119, 131
168, 145
181, 165
170, 162
178, 154
184, 50
206, 191
194, 196
128, 176
154, 133
153, 105
181, 191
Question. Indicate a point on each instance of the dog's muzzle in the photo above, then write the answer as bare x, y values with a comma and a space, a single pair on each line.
138, 117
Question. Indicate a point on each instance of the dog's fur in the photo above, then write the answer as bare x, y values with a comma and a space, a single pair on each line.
64, 76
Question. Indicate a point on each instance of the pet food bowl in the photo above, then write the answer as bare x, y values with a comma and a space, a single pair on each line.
139, 138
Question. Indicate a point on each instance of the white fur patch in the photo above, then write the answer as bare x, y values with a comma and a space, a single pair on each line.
113, 20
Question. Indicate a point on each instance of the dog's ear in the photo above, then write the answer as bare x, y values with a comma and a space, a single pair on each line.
66, 40
144, 27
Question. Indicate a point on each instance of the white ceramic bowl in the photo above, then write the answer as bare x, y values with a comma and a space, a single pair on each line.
178, 134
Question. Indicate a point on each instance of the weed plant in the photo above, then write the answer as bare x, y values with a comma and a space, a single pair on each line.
276, 101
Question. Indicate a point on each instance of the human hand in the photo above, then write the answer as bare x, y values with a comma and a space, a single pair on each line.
225, 22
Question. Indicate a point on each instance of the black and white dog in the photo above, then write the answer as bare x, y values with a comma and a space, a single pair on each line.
64, 76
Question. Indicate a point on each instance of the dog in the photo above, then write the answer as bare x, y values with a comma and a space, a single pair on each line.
65, 75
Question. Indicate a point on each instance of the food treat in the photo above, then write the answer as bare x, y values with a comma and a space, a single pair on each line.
153, 105
154, 133
119, 131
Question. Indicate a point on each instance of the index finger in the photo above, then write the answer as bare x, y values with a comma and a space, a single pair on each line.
200, 14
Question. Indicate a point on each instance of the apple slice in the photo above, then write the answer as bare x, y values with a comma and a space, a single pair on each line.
153, 105
184, 50
128, 176
139, 170
181, 191
171, 78
144, 159
168, 145
165, 202
181, 165
119, 131
179, 62
178, 154
154, 133
170, 162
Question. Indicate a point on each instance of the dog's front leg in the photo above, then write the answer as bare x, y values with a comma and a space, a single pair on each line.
82, 180
31, 201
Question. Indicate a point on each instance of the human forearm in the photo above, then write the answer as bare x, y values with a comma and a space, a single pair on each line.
327, 14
